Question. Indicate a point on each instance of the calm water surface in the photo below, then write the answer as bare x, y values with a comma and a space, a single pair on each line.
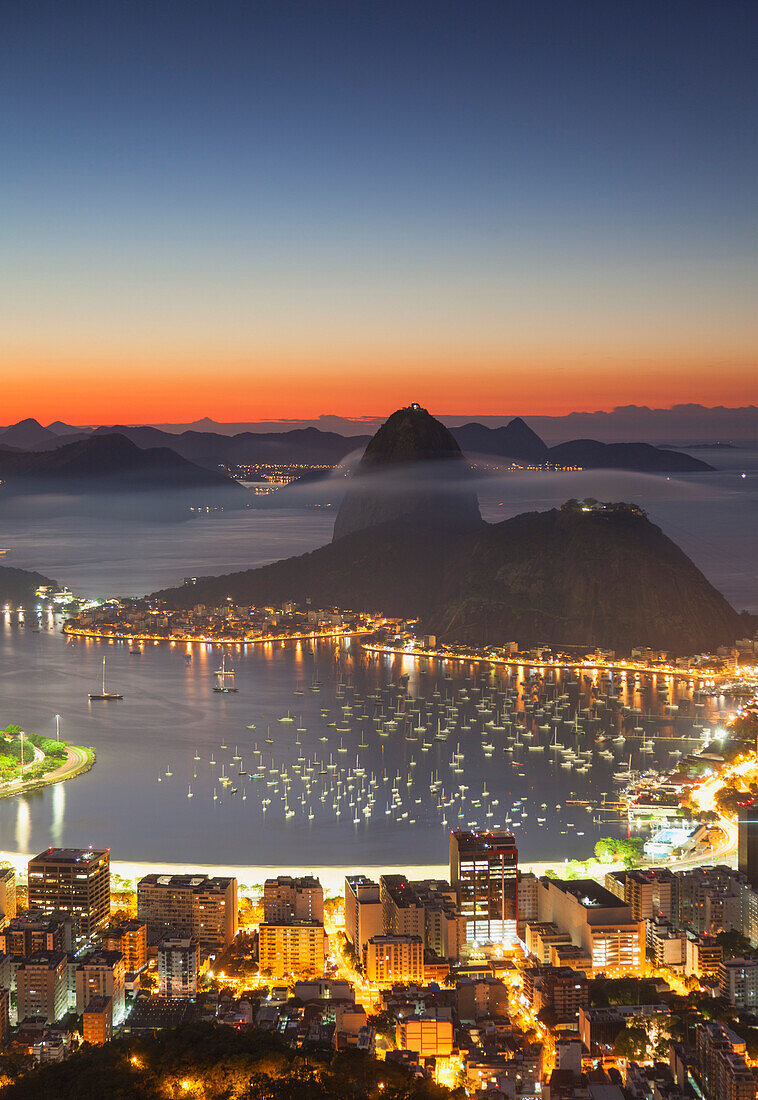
170, 713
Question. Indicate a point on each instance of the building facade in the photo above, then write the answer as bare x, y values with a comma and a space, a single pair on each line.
76, 881
286, 898
195, 906
363, 911
177, 967
389, 959
597, 921
101, 974
484, 873
297, 947
42, 986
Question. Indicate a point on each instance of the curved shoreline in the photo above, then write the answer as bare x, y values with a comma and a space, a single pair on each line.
122, 636
533, 662
79, 761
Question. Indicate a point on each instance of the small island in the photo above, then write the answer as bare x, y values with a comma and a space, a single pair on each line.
28, 760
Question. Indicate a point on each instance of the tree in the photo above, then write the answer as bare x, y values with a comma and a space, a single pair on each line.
734, 944
632, 1043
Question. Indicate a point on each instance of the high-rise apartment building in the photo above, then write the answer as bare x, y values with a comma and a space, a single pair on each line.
747, 842
286, 898
130, 938
35, 931
194, 906
484, 873
724, 1074
402, 909
101, 974
364, 916
177, 967
738, 981
42, 986
295, 947
389, 959
97, 1021
7, 895
76, 881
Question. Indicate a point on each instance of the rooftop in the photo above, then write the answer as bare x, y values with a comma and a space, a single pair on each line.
589, 893
71, 855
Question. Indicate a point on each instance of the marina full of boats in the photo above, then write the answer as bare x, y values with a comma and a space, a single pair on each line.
370, 744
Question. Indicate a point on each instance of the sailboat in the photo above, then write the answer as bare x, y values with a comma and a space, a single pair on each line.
222, 687
104, 694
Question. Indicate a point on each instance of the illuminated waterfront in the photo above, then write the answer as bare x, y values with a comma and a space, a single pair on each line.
170, 715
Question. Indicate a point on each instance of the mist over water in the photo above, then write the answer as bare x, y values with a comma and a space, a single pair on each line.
712, 516
169, 710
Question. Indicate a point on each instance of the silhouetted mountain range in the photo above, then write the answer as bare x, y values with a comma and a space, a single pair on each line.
592, 575
113, 464
515, 442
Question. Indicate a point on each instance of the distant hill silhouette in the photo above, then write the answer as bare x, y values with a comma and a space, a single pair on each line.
113, 466
515, 441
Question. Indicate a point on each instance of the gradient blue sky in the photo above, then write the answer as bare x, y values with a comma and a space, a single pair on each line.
265, 209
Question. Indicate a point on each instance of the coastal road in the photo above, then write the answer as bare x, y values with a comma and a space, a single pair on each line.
76, 759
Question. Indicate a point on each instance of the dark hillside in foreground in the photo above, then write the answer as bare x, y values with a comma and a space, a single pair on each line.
216, 1062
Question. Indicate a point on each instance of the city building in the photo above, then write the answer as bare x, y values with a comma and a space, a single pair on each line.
389, 959
484, 873
425, 908
295, 947
749, 908
541, 936
738, 982
638, 894
597, 922
97, 1021
402, 909
286, 898
702, 955
130, 938
710, 899
747, 842
363, 911
5, 1016
33, 931
101, 974
724, 1074
76, 881
177, 967
667, 945
42, 986
7, 895
195, 906
427, 1036
528, 894
477, 998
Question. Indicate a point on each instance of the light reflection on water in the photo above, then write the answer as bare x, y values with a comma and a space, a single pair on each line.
169, 708
170, 712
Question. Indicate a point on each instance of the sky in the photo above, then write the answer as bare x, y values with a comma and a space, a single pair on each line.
277, 209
